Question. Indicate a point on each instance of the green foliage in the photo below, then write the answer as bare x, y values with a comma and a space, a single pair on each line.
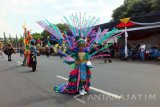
155, 5
10, 39
119, 12
14, 42
5, 40
45, 33
132, 8
16, 38
36, 36
20, 39
63, 27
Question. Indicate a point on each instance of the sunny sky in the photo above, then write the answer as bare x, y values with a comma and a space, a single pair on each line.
13, 13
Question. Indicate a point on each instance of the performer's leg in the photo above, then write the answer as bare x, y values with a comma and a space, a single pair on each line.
24, 61
109, 59
81, 87
8, 57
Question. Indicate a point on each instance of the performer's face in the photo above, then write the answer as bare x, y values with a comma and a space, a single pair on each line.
81, 48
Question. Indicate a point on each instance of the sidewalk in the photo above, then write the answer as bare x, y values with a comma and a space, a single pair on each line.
157, 62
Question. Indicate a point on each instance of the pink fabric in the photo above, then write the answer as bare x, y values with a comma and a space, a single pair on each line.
78, 79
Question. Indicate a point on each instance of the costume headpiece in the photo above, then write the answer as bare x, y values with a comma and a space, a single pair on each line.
81, 42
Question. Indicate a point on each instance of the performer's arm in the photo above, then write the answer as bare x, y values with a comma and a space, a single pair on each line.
88, 63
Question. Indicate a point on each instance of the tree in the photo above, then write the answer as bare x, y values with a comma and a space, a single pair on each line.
20, 39
132, 8
63, 27
14, 42
155, 5
5, 40
119, 13
36, 36
45, 33
10, 39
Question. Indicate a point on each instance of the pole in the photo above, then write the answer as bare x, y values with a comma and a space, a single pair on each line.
17, 44
5, 40
126, 48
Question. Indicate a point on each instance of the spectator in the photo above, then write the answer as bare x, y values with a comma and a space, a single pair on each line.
21, 51
47, 50
107, 58
9, 51
142, 51
134, 52
116, 49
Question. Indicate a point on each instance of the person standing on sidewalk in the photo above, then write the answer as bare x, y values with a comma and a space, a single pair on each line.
142, 51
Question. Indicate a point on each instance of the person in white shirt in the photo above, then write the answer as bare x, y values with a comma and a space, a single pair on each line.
142, 51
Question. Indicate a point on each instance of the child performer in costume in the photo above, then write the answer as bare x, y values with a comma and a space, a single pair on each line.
79, 78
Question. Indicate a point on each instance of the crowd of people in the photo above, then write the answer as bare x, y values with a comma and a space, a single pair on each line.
139, 51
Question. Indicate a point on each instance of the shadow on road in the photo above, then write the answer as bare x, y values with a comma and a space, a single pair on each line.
11, 68
41, 100
29, 71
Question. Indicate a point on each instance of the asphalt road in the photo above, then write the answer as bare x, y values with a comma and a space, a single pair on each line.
136, 83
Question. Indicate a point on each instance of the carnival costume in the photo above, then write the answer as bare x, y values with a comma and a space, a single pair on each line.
79, 78
79, 46
27, 39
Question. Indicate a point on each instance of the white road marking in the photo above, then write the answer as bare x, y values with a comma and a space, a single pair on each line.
62, 78
92, 88
19, 62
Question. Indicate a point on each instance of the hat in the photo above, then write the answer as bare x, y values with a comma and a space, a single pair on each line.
81, 42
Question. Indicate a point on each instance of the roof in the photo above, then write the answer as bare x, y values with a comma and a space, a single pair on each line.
147, 18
